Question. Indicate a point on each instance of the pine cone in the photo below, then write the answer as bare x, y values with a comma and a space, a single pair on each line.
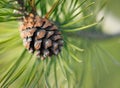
41, 35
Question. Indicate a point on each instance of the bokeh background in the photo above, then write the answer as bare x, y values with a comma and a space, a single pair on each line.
100, 66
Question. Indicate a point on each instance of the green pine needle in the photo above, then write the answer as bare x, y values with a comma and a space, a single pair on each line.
81, 28
78, 60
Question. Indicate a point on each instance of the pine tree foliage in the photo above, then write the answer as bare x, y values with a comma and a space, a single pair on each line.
20, 69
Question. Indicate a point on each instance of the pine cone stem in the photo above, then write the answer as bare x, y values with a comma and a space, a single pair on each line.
32, 4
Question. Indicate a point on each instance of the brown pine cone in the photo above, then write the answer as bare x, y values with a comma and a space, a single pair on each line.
41, 35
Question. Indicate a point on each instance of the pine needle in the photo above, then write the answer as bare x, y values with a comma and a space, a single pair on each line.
75, 22
10, 72
55, 74
52, 9
19, 73
75, 58
80, 28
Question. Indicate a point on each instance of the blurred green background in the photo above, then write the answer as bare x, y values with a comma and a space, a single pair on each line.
100, 66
